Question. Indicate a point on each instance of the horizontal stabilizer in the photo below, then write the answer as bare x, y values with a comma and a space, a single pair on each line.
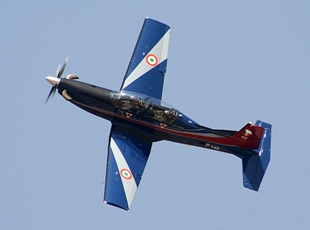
255, 166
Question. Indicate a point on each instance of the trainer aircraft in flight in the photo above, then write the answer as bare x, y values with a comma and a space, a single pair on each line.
139, 118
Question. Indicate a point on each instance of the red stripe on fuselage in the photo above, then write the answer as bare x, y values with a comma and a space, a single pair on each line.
217, 140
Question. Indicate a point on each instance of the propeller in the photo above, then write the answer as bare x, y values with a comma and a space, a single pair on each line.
55, 80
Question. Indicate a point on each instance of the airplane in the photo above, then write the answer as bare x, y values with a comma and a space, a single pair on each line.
140, 118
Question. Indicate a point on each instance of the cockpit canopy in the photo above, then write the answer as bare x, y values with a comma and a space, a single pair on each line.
145, 105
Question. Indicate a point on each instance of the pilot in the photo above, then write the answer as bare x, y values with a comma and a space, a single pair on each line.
160, 116
126, 105
170, 114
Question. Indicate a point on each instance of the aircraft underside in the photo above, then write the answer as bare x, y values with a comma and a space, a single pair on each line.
139, 118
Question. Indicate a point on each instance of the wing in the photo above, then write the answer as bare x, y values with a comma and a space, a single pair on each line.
127, 157
147, 67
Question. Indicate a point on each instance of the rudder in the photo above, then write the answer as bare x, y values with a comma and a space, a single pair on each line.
254, 167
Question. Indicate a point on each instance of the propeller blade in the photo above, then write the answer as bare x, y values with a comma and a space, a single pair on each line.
57, 71
55, 80
60, 71
51, 94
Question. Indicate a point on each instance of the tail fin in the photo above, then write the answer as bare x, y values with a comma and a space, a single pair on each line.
249, 137
254, 167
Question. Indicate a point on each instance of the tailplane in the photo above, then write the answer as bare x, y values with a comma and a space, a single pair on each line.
255, 166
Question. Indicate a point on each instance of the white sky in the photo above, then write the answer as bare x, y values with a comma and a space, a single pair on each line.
228, 64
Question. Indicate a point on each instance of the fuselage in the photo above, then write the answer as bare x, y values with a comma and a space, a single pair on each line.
153, 118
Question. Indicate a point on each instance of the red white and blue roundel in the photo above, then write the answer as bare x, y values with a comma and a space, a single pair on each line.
151, 59
126, 174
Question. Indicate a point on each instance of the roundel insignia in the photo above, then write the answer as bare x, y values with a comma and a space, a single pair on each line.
151, 60
126, 174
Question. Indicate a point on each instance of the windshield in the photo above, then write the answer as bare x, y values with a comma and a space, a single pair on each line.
144, 105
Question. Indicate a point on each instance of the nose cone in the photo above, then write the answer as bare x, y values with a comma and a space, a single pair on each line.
54, 81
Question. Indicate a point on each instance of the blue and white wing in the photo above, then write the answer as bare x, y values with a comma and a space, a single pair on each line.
127, 157
147, 67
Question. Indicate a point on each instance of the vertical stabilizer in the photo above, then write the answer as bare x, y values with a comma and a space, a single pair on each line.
254, 167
